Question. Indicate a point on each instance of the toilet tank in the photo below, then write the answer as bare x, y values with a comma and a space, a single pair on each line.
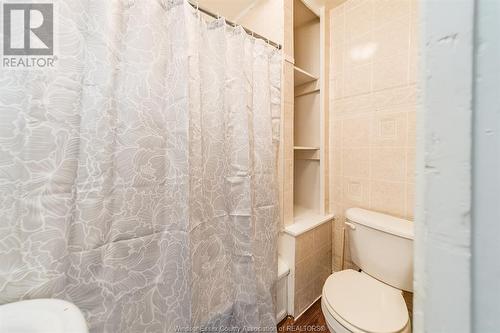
382, 246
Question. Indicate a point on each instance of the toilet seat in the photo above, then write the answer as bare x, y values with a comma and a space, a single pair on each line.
361, 303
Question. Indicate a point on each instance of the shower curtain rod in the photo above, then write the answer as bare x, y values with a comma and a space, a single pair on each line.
248, 31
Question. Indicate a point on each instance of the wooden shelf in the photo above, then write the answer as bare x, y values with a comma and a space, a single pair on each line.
301, 77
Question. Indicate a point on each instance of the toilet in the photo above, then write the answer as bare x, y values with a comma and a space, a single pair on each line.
371, 300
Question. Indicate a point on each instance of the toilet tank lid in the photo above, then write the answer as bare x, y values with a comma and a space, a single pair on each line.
390, 224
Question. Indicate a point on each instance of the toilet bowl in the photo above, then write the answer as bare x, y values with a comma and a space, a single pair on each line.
371, 300
355, 302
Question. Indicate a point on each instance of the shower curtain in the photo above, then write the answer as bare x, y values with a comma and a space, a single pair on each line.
138, 177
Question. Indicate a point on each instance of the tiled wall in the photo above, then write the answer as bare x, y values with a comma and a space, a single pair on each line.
372, 109
313, 253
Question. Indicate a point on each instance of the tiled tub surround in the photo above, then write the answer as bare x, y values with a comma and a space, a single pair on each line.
372, 110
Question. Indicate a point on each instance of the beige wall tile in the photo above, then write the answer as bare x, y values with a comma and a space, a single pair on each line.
355, 162
410, 200
372, 110
313, 264
388, 10
322, 236
359, 51
324, 255
337, 162
336, 186
357, 80
337, 86
391, 38
354, 3
388, 163
337, 26
355, 192
359, 20
303, 273
356, 131
410, 164
388, 197
406, 95
391, 72
415, 28
414, 8
336, 60
413, 66
353, 105
304, 246
412, 129
337, 264
338, 224
388, 129
302, 299
318, 286
336, 133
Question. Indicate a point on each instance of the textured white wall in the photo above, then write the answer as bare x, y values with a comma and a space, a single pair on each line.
443, 216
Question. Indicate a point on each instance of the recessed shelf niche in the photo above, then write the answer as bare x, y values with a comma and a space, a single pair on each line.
308, 166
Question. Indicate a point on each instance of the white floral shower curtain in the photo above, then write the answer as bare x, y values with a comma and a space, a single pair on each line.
138, 177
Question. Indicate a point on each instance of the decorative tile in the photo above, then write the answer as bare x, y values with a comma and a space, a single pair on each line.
355, 192
388, 129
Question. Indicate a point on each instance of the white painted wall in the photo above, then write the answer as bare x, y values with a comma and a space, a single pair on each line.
457, 269
443, 224
265, 17
486, 171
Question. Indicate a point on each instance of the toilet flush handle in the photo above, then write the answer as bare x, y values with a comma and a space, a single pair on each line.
350, 225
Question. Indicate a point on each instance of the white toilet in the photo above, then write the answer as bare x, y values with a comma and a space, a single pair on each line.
371, 300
